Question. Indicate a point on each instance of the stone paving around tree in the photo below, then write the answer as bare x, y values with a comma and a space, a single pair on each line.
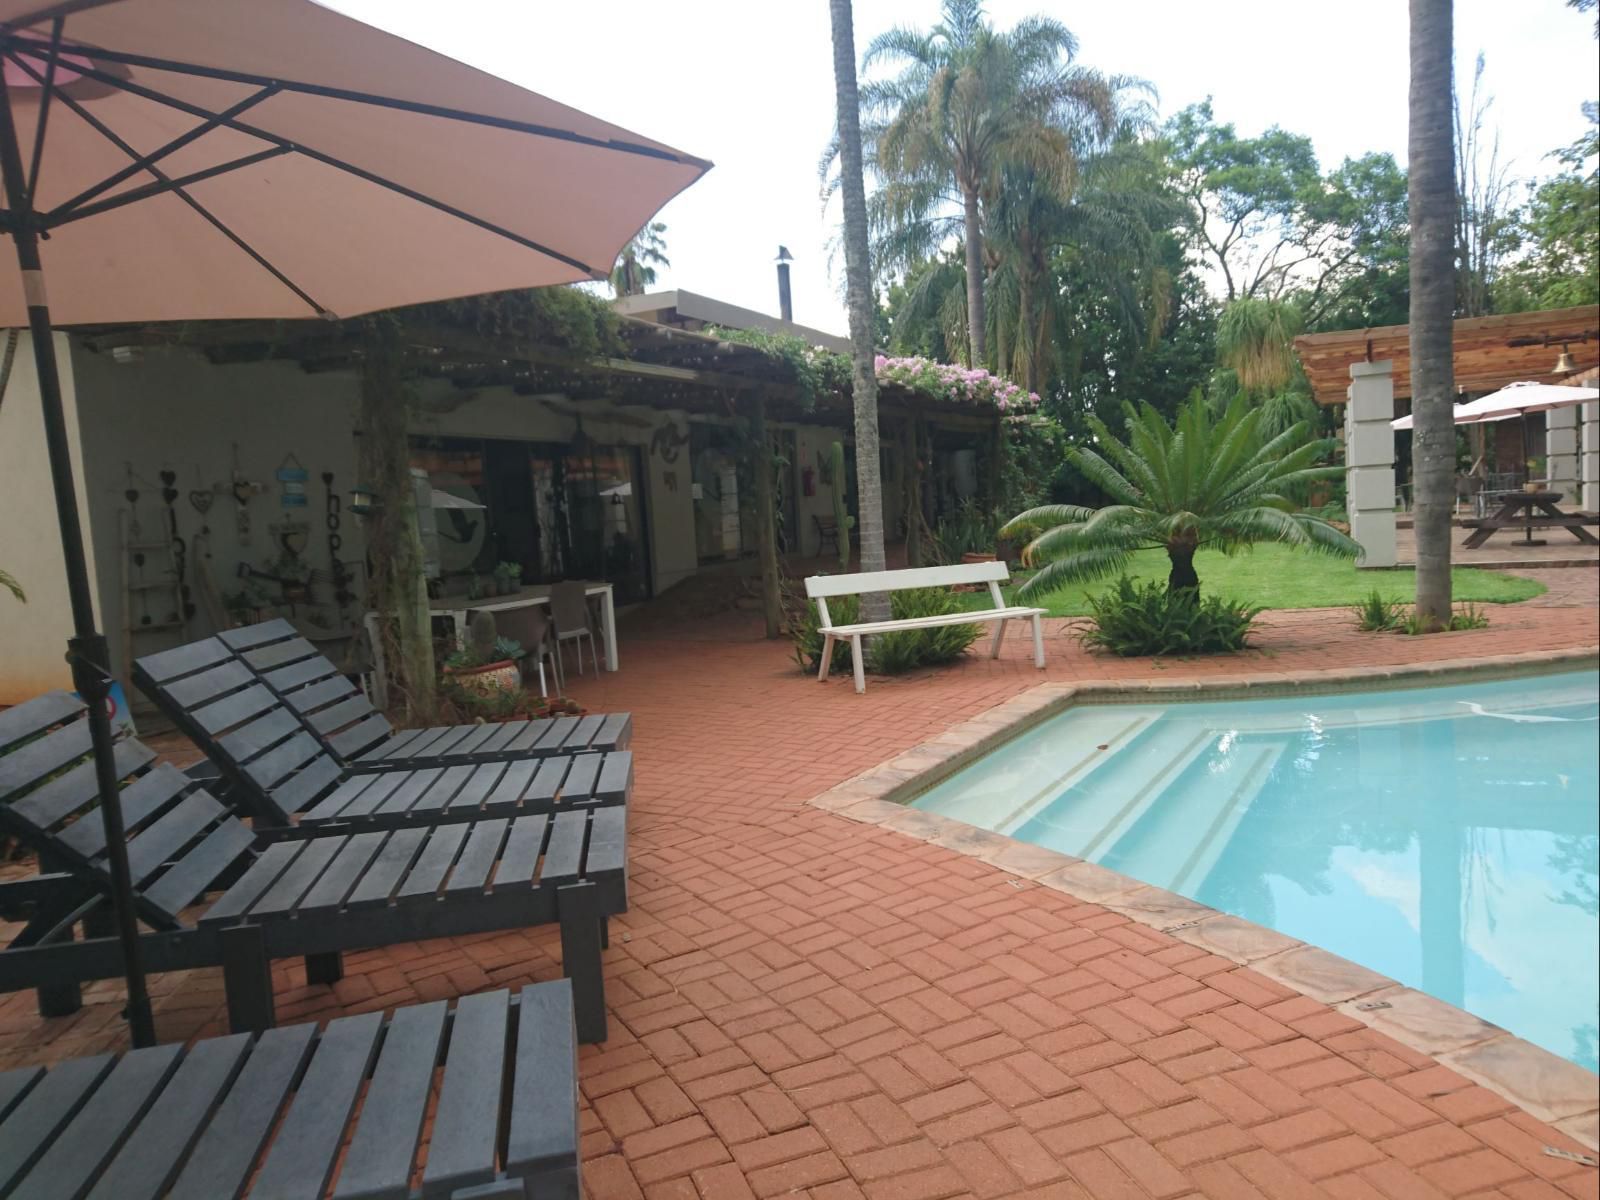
805, 1006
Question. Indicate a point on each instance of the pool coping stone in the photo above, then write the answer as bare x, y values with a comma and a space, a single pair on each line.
1543, 1084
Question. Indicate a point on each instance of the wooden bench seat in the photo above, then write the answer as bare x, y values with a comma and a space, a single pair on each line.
299, 1111
820, 587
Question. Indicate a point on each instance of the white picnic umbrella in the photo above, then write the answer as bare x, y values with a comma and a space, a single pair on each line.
1515, 400
188, 159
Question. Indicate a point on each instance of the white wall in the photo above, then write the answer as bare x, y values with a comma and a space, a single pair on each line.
33, 636
173, 410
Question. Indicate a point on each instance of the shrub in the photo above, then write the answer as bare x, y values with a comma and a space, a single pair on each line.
1468, 616
967, 530
1377, 615
890, 653
1132, 619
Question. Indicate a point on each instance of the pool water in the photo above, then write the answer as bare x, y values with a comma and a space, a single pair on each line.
1446, 837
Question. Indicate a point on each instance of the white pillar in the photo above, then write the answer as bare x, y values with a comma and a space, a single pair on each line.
1369, 461
1561, 451
1589, 472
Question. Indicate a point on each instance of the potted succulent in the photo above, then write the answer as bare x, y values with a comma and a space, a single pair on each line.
485, 663
508, 578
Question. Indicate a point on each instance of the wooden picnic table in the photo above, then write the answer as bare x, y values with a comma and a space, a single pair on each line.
1529, 511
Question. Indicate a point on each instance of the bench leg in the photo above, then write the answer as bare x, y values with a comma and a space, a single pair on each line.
827, 658
247, 975
856, 662
999, 635
325, 968
579, 910
1038, 643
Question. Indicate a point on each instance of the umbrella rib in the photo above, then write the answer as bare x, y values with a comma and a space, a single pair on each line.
160, 188
45, 93
125, 58
66, 210
195, 110
111, 136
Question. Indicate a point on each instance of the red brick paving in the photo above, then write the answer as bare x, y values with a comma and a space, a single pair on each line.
806, 1006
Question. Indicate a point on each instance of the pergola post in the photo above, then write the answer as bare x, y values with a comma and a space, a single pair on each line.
1369, 461
1561, 450
1589, 471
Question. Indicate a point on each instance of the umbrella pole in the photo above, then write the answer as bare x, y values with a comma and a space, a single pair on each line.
86, 650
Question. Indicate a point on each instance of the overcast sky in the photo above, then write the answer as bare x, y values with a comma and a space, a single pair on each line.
749, 85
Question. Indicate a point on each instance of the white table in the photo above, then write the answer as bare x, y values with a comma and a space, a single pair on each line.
457, 608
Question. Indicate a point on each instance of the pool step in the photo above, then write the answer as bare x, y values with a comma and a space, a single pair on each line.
1194, 821
1027, 774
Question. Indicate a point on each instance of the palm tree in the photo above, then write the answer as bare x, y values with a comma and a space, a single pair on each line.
1199, 482
1432, 202
968, 102
859, 303
636, 265
1255, 346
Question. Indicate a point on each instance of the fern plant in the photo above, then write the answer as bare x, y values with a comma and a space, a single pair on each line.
1202, 481
1376, 614
1147, 619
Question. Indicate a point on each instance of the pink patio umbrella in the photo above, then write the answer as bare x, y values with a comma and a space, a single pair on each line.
188, 159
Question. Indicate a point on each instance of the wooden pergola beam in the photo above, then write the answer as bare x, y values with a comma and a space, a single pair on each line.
1490, 352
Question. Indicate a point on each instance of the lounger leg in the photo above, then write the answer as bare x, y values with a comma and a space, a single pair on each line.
1038, 643
59, 999
856, 662
827, 658
324, 968
579, 911
999, 634
247, 975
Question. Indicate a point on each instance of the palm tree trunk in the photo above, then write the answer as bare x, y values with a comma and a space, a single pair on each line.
1432, 198
1182, 576
977, 317
858, 302
1025, 324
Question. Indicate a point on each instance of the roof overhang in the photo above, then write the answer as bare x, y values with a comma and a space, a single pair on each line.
1489, 352
696, 311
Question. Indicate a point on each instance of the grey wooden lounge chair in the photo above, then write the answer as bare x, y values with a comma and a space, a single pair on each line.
281, 764
268, 1115
283, 895
335, 713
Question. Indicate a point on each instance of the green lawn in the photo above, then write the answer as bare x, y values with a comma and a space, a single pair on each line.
1280, 577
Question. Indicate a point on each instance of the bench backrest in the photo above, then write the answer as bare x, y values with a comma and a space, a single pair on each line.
865, 582
180, 838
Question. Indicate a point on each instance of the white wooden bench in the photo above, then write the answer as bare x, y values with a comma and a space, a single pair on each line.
820, 587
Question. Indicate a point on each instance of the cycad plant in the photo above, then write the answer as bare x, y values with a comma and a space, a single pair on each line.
1202, 481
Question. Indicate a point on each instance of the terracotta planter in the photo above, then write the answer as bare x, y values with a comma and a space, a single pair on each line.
970, 557
494, 677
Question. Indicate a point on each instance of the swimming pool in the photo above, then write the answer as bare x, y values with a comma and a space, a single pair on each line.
1447, 837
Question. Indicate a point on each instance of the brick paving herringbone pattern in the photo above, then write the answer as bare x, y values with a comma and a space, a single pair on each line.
805, 1006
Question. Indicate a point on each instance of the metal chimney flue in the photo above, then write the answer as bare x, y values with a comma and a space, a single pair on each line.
785, 301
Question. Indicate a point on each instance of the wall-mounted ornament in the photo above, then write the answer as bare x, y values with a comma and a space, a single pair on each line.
292, 483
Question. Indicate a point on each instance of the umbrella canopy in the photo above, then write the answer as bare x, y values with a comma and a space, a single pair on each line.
332, 168
189, 159
1514, 400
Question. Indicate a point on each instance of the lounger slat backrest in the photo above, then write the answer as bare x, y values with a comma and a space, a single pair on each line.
335, 710
262, 746
864, 582
174, 827
26, 1134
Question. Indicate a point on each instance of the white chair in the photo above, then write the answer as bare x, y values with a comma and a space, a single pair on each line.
569, 613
